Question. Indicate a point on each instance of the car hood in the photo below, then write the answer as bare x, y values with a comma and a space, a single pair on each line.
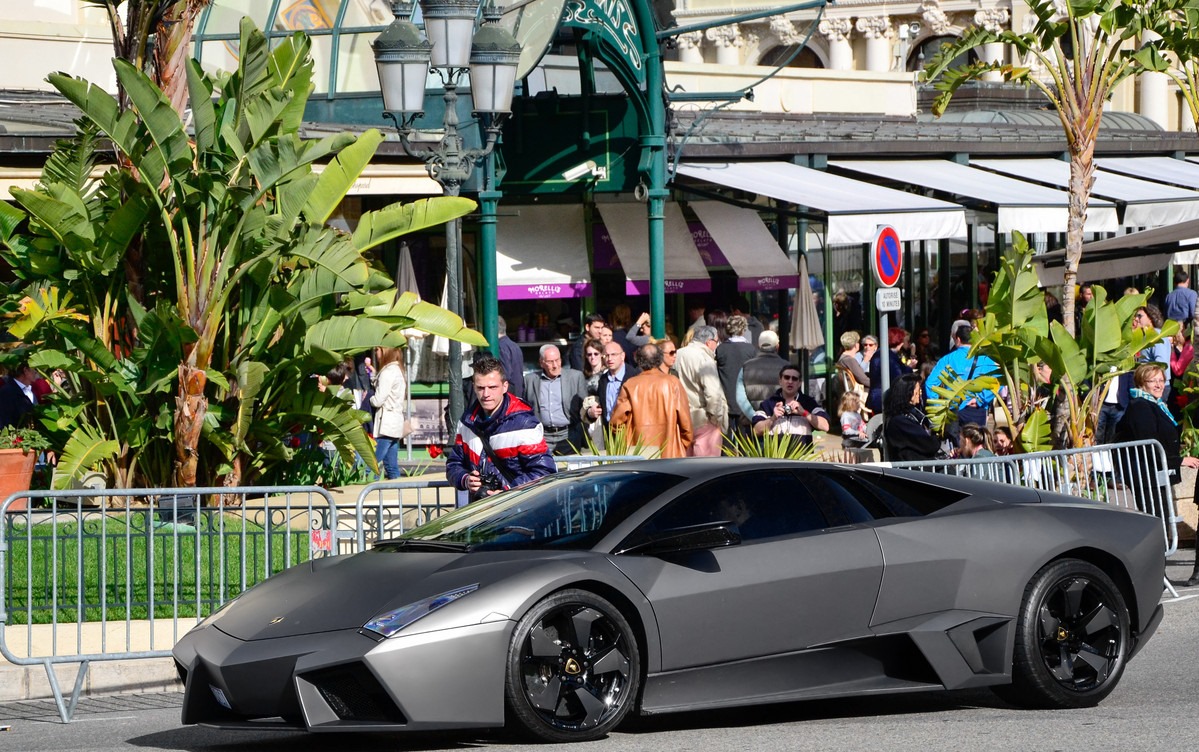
346, 592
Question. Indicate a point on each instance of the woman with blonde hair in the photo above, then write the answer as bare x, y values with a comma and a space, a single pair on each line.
390, 424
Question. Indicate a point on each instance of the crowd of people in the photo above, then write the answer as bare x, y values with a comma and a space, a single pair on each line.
670, 398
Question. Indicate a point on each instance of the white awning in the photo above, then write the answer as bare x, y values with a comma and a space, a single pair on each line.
1020, 206
747, 245
1179, 172
1147, 252
541, 252
627, 226
1146, 204
28, 178
380, 179
375, 180
855, 209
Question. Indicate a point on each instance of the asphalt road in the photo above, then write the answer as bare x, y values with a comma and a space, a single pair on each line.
1153, 708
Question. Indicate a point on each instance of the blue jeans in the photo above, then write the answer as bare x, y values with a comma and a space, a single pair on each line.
387, 453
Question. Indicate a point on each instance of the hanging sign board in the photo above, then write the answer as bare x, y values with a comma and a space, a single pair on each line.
888, 299
886, 256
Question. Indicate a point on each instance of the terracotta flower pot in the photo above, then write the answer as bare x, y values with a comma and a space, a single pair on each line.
16, 473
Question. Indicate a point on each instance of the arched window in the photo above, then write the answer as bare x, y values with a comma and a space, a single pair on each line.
805, 59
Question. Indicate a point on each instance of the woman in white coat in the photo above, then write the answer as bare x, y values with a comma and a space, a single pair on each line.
388, 400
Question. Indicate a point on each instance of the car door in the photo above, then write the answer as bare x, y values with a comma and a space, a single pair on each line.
795, 581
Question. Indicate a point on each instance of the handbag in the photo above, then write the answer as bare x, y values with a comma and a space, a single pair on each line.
409, 426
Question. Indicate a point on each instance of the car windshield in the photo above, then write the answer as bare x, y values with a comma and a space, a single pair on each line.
573, 510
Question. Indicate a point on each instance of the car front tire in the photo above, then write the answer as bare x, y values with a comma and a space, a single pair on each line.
574, 668
1072, 638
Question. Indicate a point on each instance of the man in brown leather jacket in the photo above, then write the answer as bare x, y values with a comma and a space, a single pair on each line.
654, 407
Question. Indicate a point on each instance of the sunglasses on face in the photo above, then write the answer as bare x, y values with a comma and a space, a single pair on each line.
669, 352
789, 377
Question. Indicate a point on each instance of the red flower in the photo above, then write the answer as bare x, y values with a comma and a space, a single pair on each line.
17, 440
435, 451
294, 442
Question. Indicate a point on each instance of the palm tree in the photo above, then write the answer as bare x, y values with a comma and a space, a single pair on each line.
1075, 59
154, 36
252, 291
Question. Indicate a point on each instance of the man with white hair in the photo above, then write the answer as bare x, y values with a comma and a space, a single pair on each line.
556, 397
695, 365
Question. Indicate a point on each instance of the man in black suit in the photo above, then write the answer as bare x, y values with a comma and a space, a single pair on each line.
513, 360
556, 397
16, 396
615, 374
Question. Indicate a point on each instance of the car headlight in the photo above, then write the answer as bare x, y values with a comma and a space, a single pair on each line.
387, 624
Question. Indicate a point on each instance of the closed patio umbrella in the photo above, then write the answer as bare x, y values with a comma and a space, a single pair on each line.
806, 333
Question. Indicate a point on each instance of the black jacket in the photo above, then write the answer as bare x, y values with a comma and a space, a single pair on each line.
14, 405
1145, 420
909, 436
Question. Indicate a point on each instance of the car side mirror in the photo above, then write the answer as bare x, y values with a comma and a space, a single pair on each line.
683, 539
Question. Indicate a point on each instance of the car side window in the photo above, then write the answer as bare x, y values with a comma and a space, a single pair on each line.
839, 500
903, 497
762, 504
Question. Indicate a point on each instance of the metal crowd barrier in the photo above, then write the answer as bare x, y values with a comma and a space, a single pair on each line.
1133, 475
113, 574
388, 508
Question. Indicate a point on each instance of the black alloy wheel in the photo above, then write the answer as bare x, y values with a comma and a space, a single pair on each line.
1072, 639
574, 668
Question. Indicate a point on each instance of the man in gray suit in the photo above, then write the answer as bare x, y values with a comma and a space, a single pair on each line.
556, 397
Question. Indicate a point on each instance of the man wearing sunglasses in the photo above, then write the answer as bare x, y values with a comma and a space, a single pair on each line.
790, 411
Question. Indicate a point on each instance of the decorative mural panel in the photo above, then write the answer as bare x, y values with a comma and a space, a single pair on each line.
614, 22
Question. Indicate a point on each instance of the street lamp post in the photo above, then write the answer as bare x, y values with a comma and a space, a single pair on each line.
452, 49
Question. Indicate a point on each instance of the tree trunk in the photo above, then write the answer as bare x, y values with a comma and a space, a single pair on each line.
172, 49
1082, 177
190, 408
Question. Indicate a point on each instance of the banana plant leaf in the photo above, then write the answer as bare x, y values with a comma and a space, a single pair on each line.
1037, 434
400, 219
85, 450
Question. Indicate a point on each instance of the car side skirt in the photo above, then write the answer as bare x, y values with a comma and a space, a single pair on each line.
973, 653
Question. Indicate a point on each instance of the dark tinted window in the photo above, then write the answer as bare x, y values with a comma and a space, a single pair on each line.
762, 504
901, 497
837, 497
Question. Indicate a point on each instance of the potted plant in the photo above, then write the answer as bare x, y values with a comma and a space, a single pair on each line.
19, 449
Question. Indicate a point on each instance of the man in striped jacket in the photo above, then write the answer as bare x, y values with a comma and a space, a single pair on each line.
500, 444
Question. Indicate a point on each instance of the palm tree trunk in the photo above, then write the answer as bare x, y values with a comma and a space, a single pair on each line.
1082, 177
190, 408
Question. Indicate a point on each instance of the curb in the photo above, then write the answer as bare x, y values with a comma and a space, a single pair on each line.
18, 683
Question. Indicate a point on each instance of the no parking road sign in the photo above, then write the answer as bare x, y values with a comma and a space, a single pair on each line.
886, 256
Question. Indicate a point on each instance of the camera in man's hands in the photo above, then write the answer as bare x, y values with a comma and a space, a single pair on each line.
788, 411
490, 483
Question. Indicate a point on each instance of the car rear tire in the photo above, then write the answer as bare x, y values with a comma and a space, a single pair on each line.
574, 668
1072, 638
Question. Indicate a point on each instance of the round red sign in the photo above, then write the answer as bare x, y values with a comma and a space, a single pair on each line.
887, 256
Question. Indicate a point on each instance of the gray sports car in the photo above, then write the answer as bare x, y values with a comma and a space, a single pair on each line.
673, 585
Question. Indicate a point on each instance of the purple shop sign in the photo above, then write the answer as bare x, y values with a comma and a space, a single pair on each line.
708, 250
771, 282
544, 291
641, 286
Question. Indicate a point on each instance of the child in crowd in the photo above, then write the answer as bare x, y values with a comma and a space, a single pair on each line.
853, 426
1003, 441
